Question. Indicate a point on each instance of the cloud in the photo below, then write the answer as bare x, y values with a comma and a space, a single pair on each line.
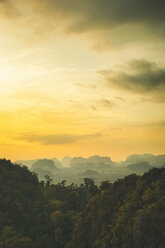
102, 104
106, 103
119, 21
55, 139
140, 76
110, 24
105, 12
120, 98
89, 14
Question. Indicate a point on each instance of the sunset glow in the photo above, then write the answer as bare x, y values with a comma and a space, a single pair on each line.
76, 82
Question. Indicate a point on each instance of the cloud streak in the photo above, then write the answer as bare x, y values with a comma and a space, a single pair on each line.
106, 103
55, 139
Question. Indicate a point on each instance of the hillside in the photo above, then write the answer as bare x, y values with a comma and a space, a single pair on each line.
35, 214
128, 213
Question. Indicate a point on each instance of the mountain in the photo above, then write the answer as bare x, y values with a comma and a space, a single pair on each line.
43, 167
44, 164
28, 163
92, 163
139, 168
89, 173
57, 163
128, 213
75, 169
155, 161
35, 214
78, 161
22, 203
98, 159
66, 161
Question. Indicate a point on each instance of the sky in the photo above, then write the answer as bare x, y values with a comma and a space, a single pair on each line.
80, 78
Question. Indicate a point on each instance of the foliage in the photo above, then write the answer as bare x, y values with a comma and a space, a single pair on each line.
128, 213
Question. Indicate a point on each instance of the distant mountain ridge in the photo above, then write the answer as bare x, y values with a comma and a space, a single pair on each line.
140, 167
153, 160
95, 167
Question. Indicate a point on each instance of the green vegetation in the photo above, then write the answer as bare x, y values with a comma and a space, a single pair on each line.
39, 214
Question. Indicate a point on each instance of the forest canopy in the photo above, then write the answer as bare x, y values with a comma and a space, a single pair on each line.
39, 214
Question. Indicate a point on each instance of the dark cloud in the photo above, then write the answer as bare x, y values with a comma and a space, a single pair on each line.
55, 139
87, 15
140, 76
108, 13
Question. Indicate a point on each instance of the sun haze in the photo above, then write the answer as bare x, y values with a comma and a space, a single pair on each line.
81, 78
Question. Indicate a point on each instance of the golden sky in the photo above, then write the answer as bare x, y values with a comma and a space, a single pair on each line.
81, 78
